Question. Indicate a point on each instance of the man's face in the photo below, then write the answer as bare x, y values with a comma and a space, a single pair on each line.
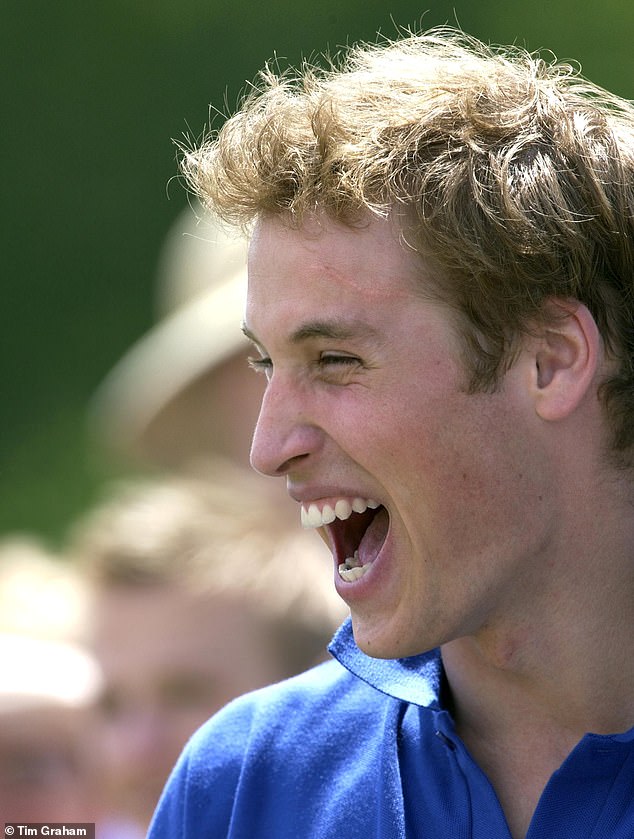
366, 407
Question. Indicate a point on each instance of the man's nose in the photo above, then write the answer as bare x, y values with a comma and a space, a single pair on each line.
284, 435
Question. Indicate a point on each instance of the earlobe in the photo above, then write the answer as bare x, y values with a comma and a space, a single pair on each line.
566, 360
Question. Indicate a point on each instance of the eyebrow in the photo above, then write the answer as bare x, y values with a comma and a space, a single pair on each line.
335, 329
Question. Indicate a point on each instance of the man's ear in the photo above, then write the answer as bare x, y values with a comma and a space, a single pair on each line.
567, 356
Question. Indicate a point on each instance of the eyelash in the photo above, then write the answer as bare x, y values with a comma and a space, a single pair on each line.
260, 365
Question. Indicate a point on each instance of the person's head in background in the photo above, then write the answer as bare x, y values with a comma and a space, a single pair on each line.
184, 390
48, 685
199, 596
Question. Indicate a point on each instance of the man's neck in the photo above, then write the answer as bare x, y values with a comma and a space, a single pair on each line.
524, 695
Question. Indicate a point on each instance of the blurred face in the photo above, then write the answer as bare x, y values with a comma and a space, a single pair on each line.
44, 770
215, 414
170, 660
430, 498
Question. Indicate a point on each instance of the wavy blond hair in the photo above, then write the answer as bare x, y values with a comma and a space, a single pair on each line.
514, 173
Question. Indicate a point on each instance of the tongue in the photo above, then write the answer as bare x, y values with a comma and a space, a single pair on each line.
374, 537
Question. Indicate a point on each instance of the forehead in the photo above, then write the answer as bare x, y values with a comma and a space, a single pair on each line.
343, 270
188, 630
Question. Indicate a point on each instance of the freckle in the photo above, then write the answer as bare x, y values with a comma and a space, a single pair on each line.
464, 476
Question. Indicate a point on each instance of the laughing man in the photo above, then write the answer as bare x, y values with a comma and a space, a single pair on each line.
441, 298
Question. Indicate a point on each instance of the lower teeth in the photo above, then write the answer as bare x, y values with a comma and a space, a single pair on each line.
351, 574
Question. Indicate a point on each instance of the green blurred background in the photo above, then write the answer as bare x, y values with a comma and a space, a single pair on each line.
93, 94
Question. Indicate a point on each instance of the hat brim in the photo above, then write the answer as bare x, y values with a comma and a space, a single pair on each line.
197, 337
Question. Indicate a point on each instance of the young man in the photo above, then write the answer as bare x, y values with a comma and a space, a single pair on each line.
441, 296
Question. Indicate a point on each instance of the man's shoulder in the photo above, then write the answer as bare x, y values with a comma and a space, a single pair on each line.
255, 767
309, 702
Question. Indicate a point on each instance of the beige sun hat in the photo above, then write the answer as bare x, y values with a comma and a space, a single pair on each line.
201, 293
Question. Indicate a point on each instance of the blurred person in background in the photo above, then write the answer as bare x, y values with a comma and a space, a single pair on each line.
184, 391
198, 597
183, 401
48, 686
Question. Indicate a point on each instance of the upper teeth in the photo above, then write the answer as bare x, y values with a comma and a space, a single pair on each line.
313, 516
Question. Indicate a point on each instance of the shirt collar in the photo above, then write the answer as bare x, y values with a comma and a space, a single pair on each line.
416, 679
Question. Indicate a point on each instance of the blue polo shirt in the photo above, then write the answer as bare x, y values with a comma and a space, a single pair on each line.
363, 749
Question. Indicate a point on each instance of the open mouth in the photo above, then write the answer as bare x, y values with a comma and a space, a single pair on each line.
355, 530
